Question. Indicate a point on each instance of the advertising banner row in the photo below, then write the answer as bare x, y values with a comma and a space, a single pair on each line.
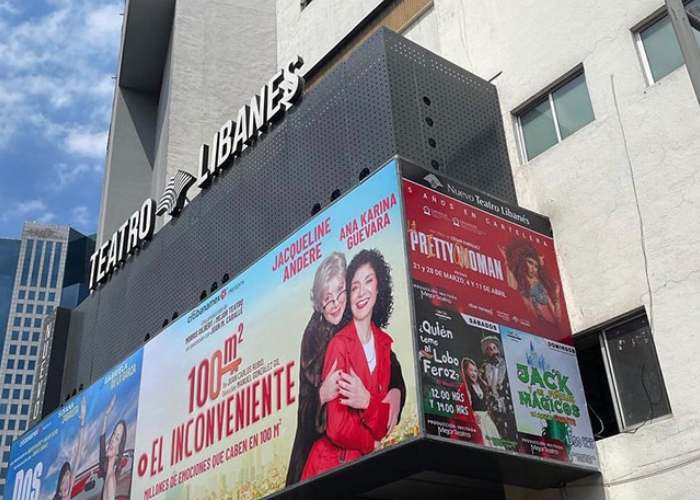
371, 322
494, 354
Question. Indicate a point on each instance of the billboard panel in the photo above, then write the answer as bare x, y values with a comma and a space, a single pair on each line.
84, 448
549, 403
484, 274
231, 393
306, 361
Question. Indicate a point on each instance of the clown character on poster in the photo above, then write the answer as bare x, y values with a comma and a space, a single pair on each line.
493, 374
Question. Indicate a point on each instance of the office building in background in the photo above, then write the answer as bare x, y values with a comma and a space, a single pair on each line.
51, 272
9, 254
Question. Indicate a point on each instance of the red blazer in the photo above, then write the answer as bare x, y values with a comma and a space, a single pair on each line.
352, 433
466, 426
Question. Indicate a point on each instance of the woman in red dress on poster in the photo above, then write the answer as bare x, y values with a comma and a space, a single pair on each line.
466, 425
359, 419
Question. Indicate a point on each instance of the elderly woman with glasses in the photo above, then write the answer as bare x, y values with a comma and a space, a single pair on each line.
329, 297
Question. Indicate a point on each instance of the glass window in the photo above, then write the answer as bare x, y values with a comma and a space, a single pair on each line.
55, 266
20, 308
5, 393
13, 349
537, 125
637, 379
32, 295
13, 409
24, 410
40, 309
572, 106
20, 364
23, 350
42, 296
52, 296
621, 375
27, 322
32, 351
49, 309
37, 322
10, 364
8, 440
8, 380
27, 394
22, 294
14, 335
45, 267
27, 262
22, 425
31, 364
3, 408
558, 114
35, 336
11, 424
39, 248
17, 321
29, 379
659, 46
30, 308
18, 379
25, 335
15, 393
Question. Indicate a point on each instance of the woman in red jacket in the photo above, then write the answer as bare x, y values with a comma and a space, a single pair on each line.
359, 419
466, 423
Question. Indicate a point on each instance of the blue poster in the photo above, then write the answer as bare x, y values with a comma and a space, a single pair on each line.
84, 449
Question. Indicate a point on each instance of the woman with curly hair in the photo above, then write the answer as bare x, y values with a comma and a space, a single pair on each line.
360, 418
528, 275
316, 390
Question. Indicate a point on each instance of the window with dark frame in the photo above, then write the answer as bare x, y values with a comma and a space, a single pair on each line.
553, 115
621, 375
658, 46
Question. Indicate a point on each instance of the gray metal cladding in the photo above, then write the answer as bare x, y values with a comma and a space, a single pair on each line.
390, 97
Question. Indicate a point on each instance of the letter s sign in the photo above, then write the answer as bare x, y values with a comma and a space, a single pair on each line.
28, 483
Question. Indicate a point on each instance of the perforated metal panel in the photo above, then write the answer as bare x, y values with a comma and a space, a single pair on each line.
366, 110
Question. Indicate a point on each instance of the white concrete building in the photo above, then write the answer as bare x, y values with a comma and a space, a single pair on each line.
622, 191
184, 67
604, 138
